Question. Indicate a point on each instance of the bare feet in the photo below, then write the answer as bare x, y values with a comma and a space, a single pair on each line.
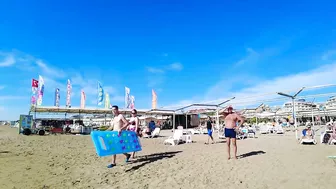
235, 157
229, 158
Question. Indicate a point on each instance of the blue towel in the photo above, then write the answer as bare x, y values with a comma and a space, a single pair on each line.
304, 132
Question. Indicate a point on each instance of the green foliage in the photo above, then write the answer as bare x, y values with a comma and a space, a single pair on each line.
103, 128
210, 113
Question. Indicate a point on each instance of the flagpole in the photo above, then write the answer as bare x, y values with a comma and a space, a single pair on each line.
97, 93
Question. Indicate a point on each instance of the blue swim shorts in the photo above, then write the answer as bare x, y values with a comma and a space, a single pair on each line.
230, 133
209, 132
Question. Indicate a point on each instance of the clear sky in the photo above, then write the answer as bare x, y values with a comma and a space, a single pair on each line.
187, 51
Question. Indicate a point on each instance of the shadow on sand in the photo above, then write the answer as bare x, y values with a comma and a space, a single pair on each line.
253, 153
152, 158
220, 142
4, 152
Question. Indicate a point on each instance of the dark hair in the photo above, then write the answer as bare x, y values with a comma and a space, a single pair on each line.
134, 110
116, 107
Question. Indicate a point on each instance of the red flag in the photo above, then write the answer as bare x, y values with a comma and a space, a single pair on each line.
34, 83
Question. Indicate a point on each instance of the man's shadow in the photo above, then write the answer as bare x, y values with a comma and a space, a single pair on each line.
152, 158
253, 153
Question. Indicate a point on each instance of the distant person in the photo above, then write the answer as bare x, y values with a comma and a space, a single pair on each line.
151, 125
210, 130
307, 133
231, 129
333, 135
119, 123
134, 126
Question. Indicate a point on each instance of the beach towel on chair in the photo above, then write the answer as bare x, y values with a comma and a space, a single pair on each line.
110, 143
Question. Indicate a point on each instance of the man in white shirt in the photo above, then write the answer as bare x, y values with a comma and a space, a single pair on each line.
119, 123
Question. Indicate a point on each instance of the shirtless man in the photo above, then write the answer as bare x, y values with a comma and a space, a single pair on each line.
119, 124
231, 129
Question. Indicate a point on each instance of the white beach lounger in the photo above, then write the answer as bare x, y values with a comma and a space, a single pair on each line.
309, 141
251, 132
279, 130
221, 134
175, 139
155, 133
194, 131
242, 135
264, 129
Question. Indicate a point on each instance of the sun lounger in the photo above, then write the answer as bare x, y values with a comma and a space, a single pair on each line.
194, 131
221, 134
264, 129
242, 134
175, 139
279, 130
308, 140
251, 132
155, 133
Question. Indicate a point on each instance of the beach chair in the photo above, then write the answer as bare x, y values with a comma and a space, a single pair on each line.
175, 139
194, 131
251, 132
154, 133
221, 134
242, 134
308, 141
204, 130
333, 142
279, 130
264, 129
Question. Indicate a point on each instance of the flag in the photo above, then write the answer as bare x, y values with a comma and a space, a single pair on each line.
68, 96
57, 97
34, 83
100, 94
132, 105
154, 99
127, 97
40, 91
83, 98
34, 91
107, 101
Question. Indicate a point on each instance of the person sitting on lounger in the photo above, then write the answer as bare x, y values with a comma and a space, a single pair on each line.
333, 135
307, 133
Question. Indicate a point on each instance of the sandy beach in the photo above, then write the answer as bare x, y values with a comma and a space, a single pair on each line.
67, 161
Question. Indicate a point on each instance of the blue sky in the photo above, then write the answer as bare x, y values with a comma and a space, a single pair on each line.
188, 51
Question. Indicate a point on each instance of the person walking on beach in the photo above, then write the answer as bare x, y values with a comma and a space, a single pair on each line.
210, 129
119, 123
134, 126
231, 129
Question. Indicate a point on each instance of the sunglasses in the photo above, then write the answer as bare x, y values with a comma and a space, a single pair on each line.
133, 112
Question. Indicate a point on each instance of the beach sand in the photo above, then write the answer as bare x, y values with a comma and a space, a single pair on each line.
67, 161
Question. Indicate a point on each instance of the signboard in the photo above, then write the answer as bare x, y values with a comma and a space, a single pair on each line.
26, 121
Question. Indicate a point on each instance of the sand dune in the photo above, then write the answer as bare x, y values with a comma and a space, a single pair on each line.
66, 161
